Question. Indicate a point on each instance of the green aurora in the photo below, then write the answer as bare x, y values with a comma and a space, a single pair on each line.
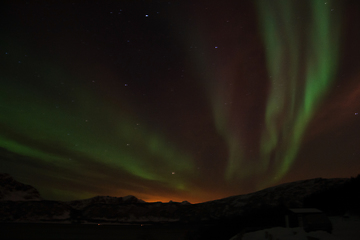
178, 101
74, 129
302, 57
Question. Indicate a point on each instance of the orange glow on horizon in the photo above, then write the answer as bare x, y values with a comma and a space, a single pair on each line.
152, 198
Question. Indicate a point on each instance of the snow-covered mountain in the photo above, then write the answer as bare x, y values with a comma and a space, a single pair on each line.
81, 204
289, 195
274, 199
262, 206
10, 189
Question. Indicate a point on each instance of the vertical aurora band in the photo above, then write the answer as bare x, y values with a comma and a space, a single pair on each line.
301, 53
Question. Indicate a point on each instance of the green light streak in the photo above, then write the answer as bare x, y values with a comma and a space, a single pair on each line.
77, 122
26, 151
218, 92
221, 117
301, 59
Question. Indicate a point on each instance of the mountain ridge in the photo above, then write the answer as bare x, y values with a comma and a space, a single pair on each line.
12, 190
129, 209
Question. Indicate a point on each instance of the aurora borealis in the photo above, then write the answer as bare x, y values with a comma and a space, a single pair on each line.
183, 100
294, 95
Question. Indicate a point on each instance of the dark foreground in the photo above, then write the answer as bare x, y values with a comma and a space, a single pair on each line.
91, 231
104, 232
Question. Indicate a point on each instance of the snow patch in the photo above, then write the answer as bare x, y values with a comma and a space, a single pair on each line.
18, 196
347, 228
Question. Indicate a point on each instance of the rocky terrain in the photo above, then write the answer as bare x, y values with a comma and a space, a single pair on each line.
13, 190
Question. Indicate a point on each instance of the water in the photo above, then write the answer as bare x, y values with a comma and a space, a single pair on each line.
93, 231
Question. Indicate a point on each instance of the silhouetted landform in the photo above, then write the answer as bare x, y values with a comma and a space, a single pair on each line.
12, 190
262, 209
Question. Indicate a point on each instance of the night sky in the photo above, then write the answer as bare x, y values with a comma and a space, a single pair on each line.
178, 100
